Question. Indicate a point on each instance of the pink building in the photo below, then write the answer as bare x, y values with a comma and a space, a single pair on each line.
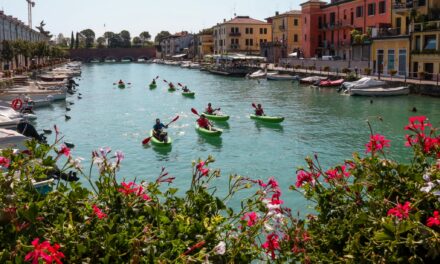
327, 27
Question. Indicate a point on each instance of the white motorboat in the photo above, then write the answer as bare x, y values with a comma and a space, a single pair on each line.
12, 139
260, 74
312, 79
363, 83
6, 122
282, 77
12, 114
195, 66
379, 91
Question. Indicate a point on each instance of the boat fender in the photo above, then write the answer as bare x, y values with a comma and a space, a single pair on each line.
16, 104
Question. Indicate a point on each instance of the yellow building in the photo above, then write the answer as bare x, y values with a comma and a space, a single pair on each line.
241, 34
286, 30
204, 43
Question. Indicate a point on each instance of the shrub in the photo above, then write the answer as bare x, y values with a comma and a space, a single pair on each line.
367, 71
312, 68
346, 70
297, 66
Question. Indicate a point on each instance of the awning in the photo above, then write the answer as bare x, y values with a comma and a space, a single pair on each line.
295, 54
179, 56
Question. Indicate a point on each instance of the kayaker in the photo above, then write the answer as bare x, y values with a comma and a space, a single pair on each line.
120, 82
259, 110
203, 122
211, 111
29, 104
154, 81
185, 89
158, 131
171, 85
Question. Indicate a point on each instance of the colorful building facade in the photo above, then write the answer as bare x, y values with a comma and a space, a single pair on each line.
204, 44
327, 27
241, 34
286, 31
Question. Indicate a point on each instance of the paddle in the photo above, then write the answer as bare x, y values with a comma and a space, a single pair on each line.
146, 140
195, 111
253, 104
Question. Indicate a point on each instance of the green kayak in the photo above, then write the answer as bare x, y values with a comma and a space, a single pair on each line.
172, 89
153, 85
188, 94
217, 117
121, 85
268, 119
210, 133
159, 143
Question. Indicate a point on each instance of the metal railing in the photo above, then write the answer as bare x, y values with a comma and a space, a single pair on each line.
427, 26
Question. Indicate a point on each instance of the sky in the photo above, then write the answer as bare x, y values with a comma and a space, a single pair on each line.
136, 16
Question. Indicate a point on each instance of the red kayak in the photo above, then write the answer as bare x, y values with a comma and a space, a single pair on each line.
328, 83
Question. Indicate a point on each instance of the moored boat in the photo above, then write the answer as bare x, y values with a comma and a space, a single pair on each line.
216, 117
403, 90
282, 77
329, 83
212, 133
268, 119
159, 143
312, 79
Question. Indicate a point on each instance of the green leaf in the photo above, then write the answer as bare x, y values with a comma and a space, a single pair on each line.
382, 236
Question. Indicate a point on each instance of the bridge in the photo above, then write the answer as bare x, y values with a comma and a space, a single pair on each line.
112, 54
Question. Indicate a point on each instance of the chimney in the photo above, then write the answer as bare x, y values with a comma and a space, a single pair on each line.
224, 20
277, 13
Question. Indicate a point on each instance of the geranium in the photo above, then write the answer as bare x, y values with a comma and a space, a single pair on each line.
252, 218
304, 177
119, 156
337, 173
64, 151
4, 162
377, 142
200, 167
271, 244
434, 220
132, 188
98, 212
418, 123
276, 199
400, 211
45, 252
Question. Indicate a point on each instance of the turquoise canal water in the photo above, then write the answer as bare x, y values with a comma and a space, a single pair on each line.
316, 121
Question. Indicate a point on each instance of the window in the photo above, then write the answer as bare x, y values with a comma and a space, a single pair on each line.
391, 59
246, 30
430, 42
251, 42
261, 31
305, 37
417, 46
295, 22
319, 22
251, 31
332, 18
422, 2
372, 9
382, 7
345, 14
265, 31
305, 20
247, 42
359, 11
295, 38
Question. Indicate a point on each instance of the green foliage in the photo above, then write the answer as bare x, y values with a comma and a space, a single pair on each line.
90, 37
161, 35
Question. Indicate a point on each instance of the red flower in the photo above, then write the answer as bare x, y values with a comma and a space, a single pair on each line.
304, 177
377, 142
203, 171
276, 199
252, 218
418, 123
132, 188
44, 251
98, 212
4, 162
434, 220
336, 174
64, 151
400, 211
271, 244
127, 188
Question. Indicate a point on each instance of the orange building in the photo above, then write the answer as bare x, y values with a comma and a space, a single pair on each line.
327, 27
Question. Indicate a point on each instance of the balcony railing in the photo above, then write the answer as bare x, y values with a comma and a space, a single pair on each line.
386, 32
427, 26
400, 5
234, 34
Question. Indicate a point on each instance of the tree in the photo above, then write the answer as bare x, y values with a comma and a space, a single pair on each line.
72, 41
101, 42
161, 35
7, 51
77, 41
90, 37
126, 38
145, 36
137, 41
42, 31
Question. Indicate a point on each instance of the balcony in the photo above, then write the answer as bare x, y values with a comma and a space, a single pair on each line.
235, 34
385, 32
234, 47
427, 26
404, 6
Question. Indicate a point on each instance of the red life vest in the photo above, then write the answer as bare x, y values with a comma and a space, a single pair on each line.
203, 122
259, 111
209, 110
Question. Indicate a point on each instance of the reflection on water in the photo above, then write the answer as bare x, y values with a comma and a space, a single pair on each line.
222, 125
216, 142
273, 126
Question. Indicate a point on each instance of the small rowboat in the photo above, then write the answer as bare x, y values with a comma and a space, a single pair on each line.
268, 119
328, 83
217, 117
212, 133
153, 86
159, 143
188, 94
121, 85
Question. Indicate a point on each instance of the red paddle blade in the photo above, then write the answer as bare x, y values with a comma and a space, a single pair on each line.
194, 111
179, 84
253, 104
175, 119
145, 141
165, 81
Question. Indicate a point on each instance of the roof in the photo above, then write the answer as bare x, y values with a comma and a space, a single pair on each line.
245, 20
291, 12
313, 1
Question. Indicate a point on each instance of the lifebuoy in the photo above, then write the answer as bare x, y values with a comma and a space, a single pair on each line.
17, 104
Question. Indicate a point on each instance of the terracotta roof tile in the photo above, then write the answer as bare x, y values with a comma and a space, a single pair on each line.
245, 20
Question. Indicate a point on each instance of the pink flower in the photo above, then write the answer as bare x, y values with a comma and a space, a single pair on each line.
271, 244
400, 211
200, 165
132, 188
275, 200
203, 171
418, 123
45, 252
119, 156
64, 151
98, 212
4, 162
336, 174
377, 142
434, 220
127, 188
252, 218
303, 176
